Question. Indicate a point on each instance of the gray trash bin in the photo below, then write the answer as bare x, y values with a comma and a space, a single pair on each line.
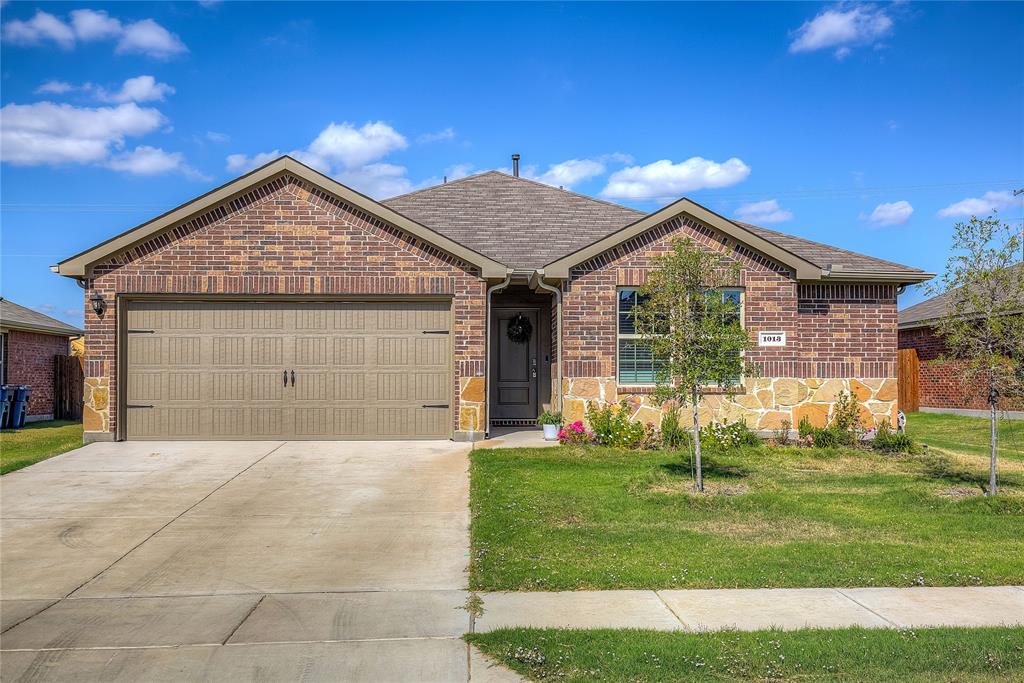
6, 394
20, 407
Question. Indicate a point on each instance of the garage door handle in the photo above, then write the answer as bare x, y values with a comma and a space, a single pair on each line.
434, 405
293, 378
285, 373
435, 331
139, 405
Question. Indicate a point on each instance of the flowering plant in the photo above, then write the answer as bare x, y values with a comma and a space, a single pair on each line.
574, 434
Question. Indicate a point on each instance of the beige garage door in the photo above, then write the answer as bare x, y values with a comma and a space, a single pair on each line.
271, 370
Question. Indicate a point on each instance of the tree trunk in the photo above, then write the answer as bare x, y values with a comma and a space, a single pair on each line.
992, 458
696, 445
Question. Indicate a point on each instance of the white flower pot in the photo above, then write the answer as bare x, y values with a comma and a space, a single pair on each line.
551, 432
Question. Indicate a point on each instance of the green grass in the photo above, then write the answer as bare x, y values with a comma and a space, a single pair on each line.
594, 518
37, 441
918, 656
969, 435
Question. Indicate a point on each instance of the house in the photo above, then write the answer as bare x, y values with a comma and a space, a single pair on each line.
939, 390
286, 305
28, 342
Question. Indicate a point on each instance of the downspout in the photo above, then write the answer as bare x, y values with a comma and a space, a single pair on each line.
487, 353
557, 291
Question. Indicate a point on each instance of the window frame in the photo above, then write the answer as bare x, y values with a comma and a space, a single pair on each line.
620, 336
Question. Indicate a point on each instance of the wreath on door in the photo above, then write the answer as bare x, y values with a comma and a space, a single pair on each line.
519, 329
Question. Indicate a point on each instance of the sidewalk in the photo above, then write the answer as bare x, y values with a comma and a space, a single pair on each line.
755, 609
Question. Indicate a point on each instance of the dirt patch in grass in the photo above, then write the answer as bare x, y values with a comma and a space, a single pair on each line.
769, 531
960, 492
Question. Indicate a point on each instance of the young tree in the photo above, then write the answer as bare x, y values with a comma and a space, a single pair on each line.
983, 327
692, 328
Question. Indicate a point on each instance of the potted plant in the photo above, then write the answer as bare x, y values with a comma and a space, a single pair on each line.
551, 422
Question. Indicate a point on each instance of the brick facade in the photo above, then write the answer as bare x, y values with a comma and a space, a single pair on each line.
938, 383
29, 361
285, 236
840, 337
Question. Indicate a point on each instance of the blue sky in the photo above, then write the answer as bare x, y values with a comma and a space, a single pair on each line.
871, 127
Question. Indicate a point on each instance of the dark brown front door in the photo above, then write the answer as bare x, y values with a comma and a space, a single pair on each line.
516, 365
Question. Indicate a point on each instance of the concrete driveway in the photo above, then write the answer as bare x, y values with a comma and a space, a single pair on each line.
237, 561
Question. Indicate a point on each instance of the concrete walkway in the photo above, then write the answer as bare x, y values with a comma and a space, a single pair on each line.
755, 609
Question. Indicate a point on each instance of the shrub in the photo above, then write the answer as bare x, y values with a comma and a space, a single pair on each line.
674, 434
549, 417
846, 418
575, 434
805, 429
728, 435
889, 441
612, 426
781, 435
829, 437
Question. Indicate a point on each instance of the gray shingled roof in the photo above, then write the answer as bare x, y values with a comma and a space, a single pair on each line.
826, 256
519, 222
18, 317
934, 308
526, 224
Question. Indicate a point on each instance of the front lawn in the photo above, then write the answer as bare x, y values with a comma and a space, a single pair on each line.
573, 518
914, 656
37, 441
956, 433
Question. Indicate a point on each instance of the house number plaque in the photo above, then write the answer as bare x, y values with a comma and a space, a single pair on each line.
771, 338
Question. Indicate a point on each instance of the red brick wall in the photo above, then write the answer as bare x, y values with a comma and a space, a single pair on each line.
938, 382
286, 237
832, 331
30, 361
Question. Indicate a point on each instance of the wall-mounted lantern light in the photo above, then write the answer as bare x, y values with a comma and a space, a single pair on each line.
98, 304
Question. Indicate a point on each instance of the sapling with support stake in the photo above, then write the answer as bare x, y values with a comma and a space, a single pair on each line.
693, 328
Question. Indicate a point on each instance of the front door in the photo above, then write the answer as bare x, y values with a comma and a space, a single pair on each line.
515, 349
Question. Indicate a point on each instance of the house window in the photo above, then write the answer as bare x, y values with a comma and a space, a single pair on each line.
635, 362
636, 366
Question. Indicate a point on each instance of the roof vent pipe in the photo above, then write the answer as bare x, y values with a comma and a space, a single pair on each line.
515, 165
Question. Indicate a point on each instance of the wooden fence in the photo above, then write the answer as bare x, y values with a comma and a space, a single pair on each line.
908, 375
68, 379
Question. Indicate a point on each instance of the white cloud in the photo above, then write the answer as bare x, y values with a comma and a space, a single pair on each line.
664, 180
983, 205
91, 25
892, 213
48, 133
240, 163
765, 213
349, 146
349, 154
568, 173
214, 136
54, 88
377, 180
145, 160
149, 38
42, 27
138, 89
141, 37
438, 136
459, 171
841, 28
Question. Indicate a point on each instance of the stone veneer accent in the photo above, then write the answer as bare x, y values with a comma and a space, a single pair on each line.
763, 404
284, 236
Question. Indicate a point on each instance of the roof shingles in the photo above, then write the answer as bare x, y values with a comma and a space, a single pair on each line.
526, 224
16, 316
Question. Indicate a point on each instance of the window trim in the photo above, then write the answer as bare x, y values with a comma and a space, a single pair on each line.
619, 335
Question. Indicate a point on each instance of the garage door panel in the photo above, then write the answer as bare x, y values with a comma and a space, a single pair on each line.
222, 370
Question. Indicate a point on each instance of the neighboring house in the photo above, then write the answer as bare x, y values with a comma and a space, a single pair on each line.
28, 342
939, 387
286, 305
